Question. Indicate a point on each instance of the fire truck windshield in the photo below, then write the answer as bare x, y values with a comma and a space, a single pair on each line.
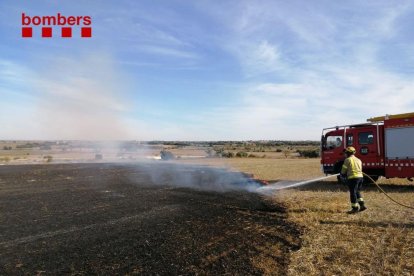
333, 142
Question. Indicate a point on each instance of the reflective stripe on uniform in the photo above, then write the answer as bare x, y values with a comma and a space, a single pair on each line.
360, 199
352, 167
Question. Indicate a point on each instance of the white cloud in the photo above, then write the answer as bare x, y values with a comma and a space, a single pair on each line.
168, 52
386, 23
305, 66
12, 73
260, 58
153, 36
299, 110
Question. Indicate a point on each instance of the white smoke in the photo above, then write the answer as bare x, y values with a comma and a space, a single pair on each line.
196, 177
81, 98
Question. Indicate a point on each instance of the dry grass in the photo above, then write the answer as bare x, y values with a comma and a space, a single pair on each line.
379, 241
267, 169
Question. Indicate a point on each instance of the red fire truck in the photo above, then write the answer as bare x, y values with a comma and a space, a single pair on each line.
384, 144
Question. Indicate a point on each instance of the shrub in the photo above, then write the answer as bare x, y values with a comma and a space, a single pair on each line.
241, 154
219, 151
210, 152
227, 154
167, 155
309, 153
28, 145
48, 158
5, 159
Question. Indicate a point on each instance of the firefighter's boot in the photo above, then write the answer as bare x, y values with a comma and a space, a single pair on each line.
354, 208
362, 206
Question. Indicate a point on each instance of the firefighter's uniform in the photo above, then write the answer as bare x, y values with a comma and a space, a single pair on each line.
352, 168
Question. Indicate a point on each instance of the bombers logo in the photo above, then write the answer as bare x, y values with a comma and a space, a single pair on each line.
48, 22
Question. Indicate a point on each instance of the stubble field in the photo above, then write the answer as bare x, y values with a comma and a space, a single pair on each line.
379, 241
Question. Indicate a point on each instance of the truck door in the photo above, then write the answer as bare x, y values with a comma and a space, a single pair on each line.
367, 147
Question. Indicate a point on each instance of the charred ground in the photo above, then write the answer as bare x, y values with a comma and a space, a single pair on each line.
137, 219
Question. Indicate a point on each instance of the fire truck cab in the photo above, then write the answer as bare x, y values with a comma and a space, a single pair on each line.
384, 144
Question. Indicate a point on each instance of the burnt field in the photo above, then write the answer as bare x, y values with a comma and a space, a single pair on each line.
149, 218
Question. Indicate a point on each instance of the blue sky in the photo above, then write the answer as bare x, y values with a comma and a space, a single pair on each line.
205, 70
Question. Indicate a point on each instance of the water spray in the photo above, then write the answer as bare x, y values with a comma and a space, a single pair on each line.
280, 186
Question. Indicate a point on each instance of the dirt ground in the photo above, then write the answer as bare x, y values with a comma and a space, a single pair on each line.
139, 218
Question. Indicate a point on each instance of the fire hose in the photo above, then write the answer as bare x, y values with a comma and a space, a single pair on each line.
387, 195
274, 187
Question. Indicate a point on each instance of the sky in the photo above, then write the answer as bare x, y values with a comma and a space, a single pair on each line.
204, 70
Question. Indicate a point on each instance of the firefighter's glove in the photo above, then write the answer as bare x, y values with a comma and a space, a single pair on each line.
343, 178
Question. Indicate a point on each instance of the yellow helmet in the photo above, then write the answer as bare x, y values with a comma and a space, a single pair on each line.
350, 150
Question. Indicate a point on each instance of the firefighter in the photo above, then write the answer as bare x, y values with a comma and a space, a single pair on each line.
352, 172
